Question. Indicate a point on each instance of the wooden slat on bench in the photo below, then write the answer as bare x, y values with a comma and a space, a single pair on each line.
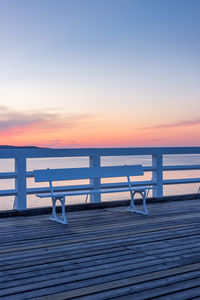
86, 173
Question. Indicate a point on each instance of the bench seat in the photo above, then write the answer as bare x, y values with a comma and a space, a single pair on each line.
51, 175
89, 192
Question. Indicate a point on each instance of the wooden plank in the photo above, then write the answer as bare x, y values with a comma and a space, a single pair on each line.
128, 229
140, 221
122, 218
42, 265
152, 249
183, 295
169, 291
156, 206
120, 242
95, 255
75, 272
134, 248
132, 291
94, 288
27, 265
92, 238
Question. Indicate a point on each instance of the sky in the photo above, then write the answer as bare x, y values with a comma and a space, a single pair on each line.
100, 73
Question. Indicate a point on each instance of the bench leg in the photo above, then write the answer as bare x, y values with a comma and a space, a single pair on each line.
132, 207
54, 216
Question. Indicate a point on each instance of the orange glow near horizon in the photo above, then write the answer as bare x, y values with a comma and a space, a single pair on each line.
94, 134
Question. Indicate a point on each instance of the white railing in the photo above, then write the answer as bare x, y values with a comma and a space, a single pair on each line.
157, 168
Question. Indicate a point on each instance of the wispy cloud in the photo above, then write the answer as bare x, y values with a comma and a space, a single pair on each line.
13, 119
182, 123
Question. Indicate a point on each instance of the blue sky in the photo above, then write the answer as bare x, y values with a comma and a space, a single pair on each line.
123, 65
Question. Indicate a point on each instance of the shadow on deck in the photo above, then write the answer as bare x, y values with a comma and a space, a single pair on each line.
103, 254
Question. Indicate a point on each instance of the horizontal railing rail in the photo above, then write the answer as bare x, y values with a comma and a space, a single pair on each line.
20, 174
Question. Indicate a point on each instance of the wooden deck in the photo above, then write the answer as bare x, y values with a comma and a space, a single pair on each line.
103, 254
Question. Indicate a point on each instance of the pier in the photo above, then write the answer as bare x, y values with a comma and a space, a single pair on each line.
105, 253
99, 150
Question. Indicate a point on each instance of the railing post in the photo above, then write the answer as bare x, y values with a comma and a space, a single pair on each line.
96, 182
20, 183
157, 162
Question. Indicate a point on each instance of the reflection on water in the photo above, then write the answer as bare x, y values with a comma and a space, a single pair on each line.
7, 165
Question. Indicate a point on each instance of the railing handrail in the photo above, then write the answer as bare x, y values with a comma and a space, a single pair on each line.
157, 168
78, 152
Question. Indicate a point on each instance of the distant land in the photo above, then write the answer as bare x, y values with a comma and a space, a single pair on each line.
18, 147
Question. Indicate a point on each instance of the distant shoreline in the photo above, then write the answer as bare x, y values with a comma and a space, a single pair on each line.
18, 147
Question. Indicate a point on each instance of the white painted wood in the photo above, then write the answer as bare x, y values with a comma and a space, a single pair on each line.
86, 173
90, 192
94, 152
181, 181
95, 162
52, 175
133, 191
181, 168
157, 175
8, 175
78, 152
33, 191
20, 183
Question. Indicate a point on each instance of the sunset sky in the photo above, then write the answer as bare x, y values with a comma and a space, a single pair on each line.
100, 73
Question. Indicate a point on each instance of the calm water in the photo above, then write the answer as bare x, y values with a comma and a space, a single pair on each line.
8, 165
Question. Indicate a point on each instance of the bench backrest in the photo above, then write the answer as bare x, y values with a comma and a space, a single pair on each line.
87, 173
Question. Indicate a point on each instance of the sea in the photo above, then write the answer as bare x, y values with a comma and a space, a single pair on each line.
7, 165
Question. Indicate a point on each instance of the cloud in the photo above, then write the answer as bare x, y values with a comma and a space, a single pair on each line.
13, 119
54, 143
173, 125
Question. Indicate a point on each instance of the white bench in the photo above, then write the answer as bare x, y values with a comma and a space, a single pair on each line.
51, 175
